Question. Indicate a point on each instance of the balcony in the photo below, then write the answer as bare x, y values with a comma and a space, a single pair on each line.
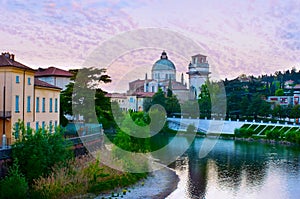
7, 114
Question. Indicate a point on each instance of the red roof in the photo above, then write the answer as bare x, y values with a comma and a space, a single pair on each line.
52, 71
7, 59
116, 95
41, 83
143, 94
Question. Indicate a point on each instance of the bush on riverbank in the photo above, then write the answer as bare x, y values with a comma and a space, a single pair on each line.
46, 163
243, 132
37, 152
274, 135
291, 136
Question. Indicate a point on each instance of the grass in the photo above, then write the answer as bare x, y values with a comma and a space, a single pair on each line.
82, 176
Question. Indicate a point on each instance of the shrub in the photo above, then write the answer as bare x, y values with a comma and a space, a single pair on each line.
273, 134
38, 152
290, 136
14, 185
243, 132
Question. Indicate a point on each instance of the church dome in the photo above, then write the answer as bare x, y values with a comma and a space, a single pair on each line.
163, 63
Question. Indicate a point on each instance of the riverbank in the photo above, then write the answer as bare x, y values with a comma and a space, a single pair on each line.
267, 141
158, 185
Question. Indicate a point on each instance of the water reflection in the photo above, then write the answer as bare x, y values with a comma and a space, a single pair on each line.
241, 170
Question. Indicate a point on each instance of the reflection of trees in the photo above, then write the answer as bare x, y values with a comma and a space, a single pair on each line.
197, 175
255, 173
238, 165
229, 171
230, 161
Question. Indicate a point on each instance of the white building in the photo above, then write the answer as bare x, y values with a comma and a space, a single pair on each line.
198, 74
163, 76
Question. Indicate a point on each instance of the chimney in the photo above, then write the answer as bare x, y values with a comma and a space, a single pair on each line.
6, 54
12, 57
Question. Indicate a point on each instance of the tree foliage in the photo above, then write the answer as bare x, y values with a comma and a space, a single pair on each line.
170, 102
295, 112
37, 152
279, 92
85, 94
14, 185
204, 101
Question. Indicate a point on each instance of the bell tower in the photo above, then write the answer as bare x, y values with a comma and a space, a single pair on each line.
198, 74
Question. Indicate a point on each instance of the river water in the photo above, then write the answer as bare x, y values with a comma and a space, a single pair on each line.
236, 169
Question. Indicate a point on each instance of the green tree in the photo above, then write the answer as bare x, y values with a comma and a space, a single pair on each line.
244, 106
82, 94
147, 104
279, 92
295, 112
159, 98
38, 152
277, 111
172, 105
258, 106
204, 101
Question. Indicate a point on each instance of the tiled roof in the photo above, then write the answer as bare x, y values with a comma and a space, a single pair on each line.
52, 71
40, 83
115, 95
7, 59
143, 94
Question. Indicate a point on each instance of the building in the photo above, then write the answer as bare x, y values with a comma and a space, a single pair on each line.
285, 100
198, 74
133, 101
163, 76
25, 98
54, 76
120, 98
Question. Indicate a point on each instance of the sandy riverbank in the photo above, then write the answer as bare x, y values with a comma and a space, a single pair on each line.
158, 185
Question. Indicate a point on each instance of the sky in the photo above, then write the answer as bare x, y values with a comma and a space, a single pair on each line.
250, 37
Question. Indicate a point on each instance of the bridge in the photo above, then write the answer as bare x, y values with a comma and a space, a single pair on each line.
227, 126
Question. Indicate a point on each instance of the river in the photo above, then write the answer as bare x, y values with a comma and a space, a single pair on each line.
237, 169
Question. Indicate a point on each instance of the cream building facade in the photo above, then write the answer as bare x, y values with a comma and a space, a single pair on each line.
25, 98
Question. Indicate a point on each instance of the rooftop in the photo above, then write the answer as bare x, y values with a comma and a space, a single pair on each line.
52, 71
7, 59
163, 63
40, 83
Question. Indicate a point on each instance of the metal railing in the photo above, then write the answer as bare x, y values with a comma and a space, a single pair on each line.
5, 153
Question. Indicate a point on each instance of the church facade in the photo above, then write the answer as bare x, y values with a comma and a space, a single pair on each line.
163, 76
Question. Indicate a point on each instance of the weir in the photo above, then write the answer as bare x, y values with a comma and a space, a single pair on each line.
227, 126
